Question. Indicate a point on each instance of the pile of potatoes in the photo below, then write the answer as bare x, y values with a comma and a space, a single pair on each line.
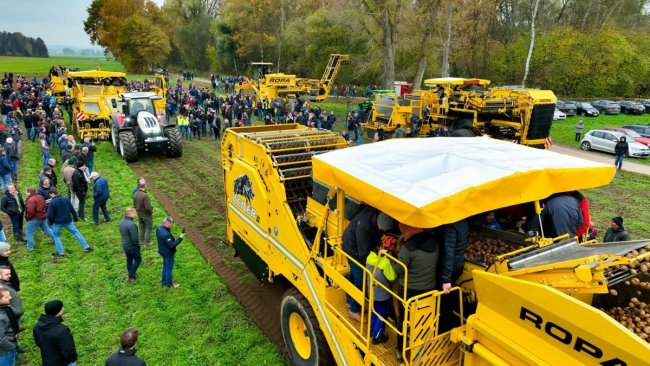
635, 315
485, 250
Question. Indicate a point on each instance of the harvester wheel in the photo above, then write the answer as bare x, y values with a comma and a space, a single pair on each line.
305, 341
128, 146
175, 149
463, 132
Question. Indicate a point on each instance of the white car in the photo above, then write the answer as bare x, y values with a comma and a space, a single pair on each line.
558, 115
605, 140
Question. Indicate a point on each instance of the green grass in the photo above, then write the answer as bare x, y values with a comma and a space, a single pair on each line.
40, 66
200, 323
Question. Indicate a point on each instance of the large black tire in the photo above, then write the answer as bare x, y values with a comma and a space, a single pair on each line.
128, 146
115, 139
302, 335
175, 149
463, 132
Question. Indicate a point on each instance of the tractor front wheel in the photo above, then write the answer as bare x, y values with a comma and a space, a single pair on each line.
128, 146
175, 148
301, 332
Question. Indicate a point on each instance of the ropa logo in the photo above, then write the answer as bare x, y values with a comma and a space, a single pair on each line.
244, 187
564, 336
279, 80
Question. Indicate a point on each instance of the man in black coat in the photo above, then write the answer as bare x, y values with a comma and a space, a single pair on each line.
13, 205
5, 252
620, 150
53, 337
80, 188
130, 242
126, 355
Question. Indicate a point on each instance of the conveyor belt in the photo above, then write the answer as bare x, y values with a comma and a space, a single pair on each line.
570, 250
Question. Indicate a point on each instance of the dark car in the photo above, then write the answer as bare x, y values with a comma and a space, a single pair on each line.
631, 107
606, 106
586, 109
568, 108
646, 104
640, 129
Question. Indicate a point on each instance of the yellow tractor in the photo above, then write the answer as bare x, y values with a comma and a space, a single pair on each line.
279, 85
467, 107
291, 191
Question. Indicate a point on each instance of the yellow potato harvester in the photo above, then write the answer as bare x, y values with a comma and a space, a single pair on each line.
468, 107
291, 191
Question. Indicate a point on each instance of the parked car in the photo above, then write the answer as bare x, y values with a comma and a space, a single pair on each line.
646, 104
605, 140
569, 108
631, 107
558, 115
631, 134
640, 129
586, 109
606, 106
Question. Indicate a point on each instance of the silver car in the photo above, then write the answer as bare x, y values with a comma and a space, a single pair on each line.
604, 140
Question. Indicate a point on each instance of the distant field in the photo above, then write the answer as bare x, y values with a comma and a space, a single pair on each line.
40, 66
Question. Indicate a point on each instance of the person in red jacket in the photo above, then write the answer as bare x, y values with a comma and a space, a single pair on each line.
35, 215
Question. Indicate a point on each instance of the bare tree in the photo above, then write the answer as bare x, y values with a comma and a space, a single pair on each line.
532, 42
446, 47
429, 7
386, 14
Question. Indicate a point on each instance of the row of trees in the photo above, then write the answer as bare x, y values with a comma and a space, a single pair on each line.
16, 44
581, 48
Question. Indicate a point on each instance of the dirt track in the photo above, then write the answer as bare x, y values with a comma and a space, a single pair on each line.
261, 302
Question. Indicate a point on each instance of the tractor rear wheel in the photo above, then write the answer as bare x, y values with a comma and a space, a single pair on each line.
463, 132
302, 334
128, 146
175, 149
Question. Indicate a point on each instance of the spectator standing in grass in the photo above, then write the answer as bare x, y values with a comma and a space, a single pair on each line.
126, 354
5, 252
67, 172
60, 214
8, 330
5, 170
16, 302
100, 197
579, 127
90, 154
80, 188
35, 214
54, 338
13, 205
130, 243
167, 250
144, 209
13, 157
620, 150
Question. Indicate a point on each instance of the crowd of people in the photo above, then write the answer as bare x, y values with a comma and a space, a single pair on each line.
56, 201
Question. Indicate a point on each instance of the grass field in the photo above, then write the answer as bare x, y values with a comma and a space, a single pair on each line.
200, 323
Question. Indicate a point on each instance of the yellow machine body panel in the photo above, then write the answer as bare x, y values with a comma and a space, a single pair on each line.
524, 323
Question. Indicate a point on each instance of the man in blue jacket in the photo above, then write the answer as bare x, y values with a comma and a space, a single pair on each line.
167, 250
5, 170
100, 197
60, 214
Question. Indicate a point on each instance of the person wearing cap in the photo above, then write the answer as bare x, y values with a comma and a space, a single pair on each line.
360, 236
80, 188
100, 197
12, 156
125, 356
13, 205
616, 231
16, 301
384, 274
9, 327
5, 252
167, 250
60, 214
54, 338
5, 170
419, 254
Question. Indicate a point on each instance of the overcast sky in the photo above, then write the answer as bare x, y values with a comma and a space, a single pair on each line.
57, 22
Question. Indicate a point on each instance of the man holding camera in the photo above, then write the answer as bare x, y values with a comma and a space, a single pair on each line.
167, 250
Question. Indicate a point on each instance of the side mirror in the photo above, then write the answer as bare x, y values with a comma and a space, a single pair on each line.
125, 110
114, 103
